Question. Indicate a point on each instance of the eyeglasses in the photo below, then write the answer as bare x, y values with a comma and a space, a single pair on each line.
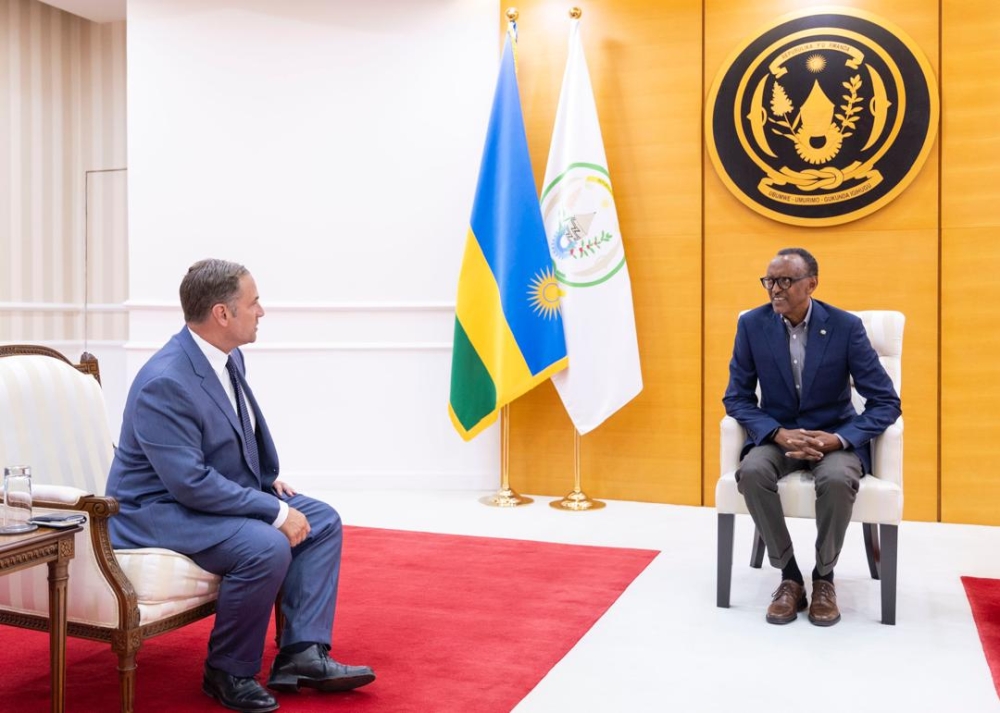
782, 282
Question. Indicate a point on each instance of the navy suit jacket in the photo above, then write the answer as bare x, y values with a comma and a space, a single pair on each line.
837, 350
180, 471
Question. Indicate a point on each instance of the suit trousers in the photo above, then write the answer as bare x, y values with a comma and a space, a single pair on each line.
837, 477
258, 562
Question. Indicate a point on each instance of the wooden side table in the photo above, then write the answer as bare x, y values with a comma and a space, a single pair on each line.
56, 547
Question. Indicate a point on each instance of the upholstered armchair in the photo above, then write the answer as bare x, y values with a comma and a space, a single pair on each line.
53, 418
879, 504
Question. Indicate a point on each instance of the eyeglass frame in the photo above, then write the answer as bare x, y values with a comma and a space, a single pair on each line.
778, 281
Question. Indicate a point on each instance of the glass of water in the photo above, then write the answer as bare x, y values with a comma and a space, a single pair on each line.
16, 500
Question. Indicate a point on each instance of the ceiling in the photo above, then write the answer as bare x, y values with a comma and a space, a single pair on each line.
93, 10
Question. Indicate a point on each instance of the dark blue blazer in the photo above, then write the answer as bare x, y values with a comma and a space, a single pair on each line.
837, 350
180, 470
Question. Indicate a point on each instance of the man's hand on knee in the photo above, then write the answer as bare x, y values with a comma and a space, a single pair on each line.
296, 527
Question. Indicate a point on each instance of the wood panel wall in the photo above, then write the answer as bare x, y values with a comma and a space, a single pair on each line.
970, 263
643, 63
888, 260
695, 252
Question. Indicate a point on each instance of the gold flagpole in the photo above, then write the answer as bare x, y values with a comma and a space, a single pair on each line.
577, 500
505, 497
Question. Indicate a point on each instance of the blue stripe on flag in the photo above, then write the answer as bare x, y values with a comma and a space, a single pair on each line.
507, 222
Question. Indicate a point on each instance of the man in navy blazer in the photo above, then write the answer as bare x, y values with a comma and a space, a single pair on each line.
196, 471
803, 354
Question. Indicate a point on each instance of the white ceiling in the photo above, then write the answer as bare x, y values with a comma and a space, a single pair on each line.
93, 10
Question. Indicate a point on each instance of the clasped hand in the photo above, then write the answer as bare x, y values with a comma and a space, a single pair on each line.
806, 445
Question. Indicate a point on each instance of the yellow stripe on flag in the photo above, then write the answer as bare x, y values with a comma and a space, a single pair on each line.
479, 311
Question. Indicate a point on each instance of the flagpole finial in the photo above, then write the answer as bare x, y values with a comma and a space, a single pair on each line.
575, 13
512, 14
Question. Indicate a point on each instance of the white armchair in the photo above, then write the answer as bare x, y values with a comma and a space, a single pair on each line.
52, 417
879, 504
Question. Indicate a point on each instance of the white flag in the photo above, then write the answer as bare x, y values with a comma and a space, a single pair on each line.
581, 225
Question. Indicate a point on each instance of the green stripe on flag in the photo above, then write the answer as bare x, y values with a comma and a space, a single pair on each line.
473, 393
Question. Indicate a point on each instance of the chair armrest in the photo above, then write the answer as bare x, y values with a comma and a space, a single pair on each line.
56, 496
887, 454
732, 436
99, 509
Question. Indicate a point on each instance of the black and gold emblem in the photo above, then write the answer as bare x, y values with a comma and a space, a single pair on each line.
822, 119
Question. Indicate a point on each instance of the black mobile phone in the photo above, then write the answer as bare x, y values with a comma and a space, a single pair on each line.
59, 520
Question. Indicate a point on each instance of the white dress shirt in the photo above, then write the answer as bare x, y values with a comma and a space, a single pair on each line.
217, 360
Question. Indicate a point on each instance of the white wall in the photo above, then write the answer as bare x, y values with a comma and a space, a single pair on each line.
333, 148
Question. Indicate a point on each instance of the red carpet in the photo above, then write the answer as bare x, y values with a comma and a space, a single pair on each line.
449, 623
984, 598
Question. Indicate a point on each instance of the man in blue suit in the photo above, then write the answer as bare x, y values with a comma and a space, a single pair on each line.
803, 354
196, 471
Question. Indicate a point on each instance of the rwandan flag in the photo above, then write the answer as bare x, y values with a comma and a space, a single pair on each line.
508, 330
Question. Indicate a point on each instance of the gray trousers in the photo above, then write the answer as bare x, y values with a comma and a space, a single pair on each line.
837, 478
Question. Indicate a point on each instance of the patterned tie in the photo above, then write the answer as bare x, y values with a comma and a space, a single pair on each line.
241, 410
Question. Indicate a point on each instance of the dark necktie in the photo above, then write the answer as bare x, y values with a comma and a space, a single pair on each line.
241, 410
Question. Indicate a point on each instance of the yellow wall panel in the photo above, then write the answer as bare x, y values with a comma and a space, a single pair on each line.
887, 260
644, 62
970, 488
970, 263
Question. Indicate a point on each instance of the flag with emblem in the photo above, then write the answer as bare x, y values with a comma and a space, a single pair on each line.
581, 224
508, 330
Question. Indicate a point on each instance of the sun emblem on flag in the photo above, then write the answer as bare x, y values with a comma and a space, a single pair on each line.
544, 293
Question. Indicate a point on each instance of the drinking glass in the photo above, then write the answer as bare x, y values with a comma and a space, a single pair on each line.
16, 500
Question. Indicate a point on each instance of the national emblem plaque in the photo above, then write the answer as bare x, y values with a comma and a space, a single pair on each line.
822, 119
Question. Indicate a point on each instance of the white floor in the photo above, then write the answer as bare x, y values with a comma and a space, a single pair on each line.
665, 646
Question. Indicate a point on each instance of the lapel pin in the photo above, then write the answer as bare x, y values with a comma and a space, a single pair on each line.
822, 332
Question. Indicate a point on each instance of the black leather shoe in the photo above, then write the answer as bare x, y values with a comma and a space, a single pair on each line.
313, 668
237, 693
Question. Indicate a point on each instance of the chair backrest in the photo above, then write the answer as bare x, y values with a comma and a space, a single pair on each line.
885, 332
53, 418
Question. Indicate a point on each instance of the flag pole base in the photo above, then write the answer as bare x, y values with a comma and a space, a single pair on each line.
505, 498
577, 501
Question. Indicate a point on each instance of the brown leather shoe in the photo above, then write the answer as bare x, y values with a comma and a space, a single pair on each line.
786, 602
823, 610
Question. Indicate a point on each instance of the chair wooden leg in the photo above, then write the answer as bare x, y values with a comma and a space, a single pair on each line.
872, 548
126, 681
757, 553
724, 562
890, 548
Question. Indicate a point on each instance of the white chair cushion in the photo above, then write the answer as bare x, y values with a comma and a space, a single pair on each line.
878, 501
166, 582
